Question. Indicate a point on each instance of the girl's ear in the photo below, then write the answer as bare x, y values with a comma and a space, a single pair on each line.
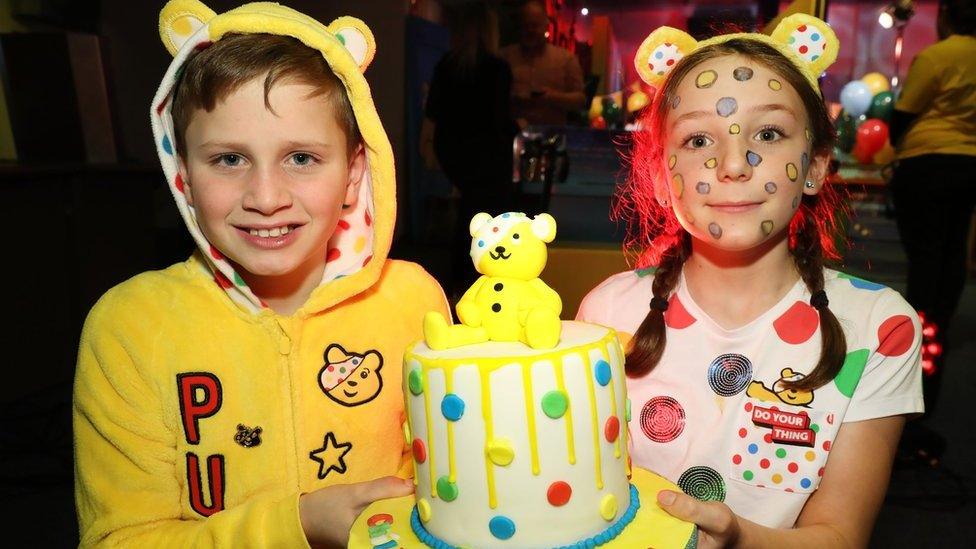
817, 174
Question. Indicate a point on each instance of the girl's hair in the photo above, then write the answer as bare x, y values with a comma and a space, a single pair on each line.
654, 236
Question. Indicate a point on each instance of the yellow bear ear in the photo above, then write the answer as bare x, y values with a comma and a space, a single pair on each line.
181, 19
811, 39
357, 38
477, 222
544, 227
659, 52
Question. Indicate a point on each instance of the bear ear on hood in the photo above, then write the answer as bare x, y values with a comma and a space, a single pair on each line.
181, 19
357, 38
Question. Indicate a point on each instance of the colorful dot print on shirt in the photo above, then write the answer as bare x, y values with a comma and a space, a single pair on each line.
677, 316
860, 283
662, 419
850, 373
702, 483
808, 42
797, 324
896, 335
729, 374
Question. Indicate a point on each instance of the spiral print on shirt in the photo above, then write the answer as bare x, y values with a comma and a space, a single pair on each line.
729, 374
662, 419
702, 483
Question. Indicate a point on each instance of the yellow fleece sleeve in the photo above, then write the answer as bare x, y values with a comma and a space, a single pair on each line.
127, 488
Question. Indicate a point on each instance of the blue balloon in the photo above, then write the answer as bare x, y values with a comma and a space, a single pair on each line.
856, 98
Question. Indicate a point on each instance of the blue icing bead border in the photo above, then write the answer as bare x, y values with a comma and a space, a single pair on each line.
593, 541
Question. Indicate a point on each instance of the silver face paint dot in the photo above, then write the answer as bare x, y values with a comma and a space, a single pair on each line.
742, 74
796, 201
753, 159
675, 101
726, 106
770, 187
703, 188
715, 230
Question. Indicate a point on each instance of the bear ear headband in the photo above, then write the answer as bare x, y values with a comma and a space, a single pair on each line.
181, 19
808, 42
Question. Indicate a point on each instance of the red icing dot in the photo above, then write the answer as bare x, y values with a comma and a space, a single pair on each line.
820, 472
792, 467
651, 65
369, 220
826, 445
419, 451
222, 280
789, 490
333, 254
367, 260
343, 224
764, 463
216, 253
895, 335
743, 432
559, 493
737, 459
677, 316
803, 49
178, 183
768, 437
670, 62
331, 368
802, 28
748, 406
612, 428
797, 324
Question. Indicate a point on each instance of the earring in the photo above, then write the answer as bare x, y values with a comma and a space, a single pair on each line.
809, 184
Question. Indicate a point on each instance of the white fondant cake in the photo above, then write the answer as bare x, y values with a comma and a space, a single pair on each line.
518, 447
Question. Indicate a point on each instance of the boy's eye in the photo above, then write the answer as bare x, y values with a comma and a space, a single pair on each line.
230, 159
697, 142
302, 159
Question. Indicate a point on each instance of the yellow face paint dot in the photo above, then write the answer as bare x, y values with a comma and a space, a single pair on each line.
791, 171
806, 132
711, 163
423, 509
182, 26
672, 161
677, 185
706, 79
500, 451
767, 227
734, 129
775, 85
810, 455
608, 507
777, 478
360, 243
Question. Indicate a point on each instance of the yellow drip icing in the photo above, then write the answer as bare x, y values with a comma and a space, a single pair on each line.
489, 434
448, 389
588, 372
430, 437
530, 416
570, 439
613, 407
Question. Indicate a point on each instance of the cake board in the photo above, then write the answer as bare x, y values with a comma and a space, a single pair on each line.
652, 527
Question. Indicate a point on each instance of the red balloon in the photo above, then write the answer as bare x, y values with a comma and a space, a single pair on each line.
872, 135
598, 123
861, 154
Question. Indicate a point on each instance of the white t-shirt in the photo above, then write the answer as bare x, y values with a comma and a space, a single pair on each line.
713, 415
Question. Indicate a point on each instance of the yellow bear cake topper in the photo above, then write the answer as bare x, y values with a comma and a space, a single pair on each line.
509, 302
805, 40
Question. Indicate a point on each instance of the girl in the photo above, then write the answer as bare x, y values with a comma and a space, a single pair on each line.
750, 363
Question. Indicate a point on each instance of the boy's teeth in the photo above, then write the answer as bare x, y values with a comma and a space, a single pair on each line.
263, 233
274, 232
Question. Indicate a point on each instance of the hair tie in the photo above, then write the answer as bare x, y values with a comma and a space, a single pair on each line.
659, 304
819, 300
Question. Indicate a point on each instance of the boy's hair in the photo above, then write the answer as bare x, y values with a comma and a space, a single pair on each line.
655, 237
212, 74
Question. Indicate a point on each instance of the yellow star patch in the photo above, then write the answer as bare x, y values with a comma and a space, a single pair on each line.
330, 455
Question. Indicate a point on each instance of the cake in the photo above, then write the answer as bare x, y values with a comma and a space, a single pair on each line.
516, 420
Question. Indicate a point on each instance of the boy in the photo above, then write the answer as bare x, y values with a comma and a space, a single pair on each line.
251, 395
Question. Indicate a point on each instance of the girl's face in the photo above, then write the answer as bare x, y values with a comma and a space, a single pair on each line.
738, 150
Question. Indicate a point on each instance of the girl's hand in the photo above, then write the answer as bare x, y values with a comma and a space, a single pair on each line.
718, 526
327, 514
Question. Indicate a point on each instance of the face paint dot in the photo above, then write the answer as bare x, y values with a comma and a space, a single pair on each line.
675, 101
770, 187
775, 85
734, 129
796, 201
677, 185
742, 74
806, 132
753, 159
791, 171
715, 230
767, 227
804, 162
706, 79
711, 163
703, 188
672, 161
726, 106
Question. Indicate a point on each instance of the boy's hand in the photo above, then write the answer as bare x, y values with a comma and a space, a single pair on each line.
717, 524
327, 514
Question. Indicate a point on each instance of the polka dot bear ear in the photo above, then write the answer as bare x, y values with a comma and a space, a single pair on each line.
357, 38
811, 39
181, 19
660, 51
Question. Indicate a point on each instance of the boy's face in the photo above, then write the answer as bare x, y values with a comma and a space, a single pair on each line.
269, 187
739, 151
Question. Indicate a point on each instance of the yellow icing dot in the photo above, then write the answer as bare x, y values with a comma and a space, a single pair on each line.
711, 163
677, 185
672, 161
500, 451
608, 507
734, 129
706, 79
777, 478
775, 84
360, 243
423, 509
791, 171
182, 26
810, 455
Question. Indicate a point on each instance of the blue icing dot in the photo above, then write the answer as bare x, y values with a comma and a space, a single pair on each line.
805, 482
814, 37
602, 372
481, 243
659, 55
167, 146
753, 448
355, 362
501, 527
506, 215
452, 407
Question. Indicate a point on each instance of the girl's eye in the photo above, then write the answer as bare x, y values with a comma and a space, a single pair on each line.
769, 135
697, 142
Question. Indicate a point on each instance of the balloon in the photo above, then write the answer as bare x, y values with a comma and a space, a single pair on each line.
871, 137
861, 155
885, 156
881, 106
876, 82
856, 97
596, 107
846, 132
598, 123
637, 101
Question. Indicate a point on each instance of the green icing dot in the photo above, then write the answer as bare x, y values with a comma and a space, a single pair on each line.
342, 39
628, 410
747, 475
554, 404
446, 490
850, 373
780, 453
416, 381
641, 273
342, 369
238, 280
815, 428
